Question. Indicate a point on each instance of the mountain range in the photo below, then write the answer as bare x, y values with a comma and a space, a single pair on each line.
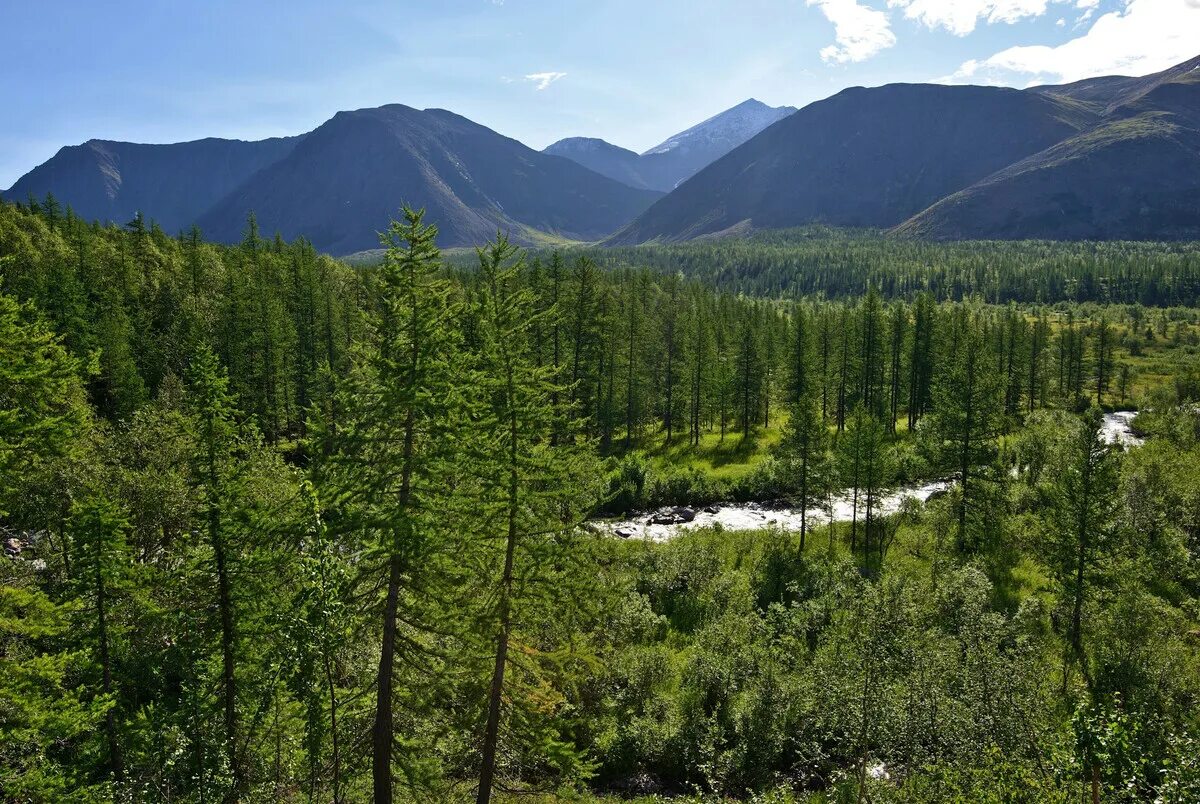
667, 164
339, 184
1105, 158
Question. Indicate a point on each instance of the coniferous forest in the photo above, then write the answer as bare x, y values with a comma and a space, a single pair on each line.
279, 528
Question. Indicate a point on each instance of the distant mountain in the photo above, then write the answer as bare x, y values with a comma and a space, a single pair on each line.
604, 158
340, 185
1104, 158
671, 162
864, 157
110, 181
1134, 175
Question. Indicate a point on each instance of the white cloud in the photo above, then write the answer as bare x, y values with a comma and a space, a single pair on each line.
1145, 37
544, 80
960, 16
860, 31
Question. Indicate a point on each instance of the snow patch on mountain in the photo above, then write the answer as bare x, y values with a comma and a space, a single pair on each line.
728, 129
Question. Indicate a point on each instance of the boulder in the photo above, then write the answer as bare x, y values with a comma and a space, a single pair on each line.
625, 533
683, 514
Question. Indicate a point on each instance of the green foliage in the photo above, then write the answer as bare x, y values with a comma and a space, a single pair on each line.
285, 531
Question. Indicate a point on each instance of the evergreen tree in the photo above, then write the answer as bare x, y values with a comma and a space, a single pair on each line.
213, 412
98, 530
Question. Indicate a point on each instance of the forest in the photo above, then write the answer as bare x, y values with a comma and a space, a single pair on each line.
279, 528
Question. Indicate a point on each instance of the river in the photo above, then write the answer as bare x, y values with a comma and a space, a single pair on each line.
754, 516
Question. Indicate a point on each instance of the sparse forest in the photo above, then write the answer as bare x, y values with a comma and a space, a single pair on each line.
277, 528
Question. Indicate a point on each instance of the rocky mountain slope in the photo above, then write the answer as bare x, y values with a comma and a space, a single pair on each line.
680, 156
1105, 158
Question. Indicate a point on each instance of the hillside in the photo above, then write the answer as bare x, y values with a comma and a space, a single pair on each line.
1105, 158
864, 157
678, 157
173, 184
350, 175
1135, 176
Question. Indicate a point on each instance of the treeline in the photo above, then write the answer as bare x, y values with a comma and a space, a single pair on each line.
839, 263
647, 356
133, 303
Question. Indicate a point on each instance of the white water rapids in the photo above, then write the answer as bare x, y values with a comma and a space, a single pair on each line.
754, 516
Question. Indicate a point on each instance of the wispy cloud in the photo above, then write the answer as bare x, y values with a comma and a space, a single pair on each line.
860, 31
1144, 37
543, 80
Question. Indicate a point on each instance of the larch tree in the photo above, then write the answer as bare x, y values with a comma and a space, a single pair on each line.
394, 466
534, 492
98, 529
1083, 529
213, 414
967, 420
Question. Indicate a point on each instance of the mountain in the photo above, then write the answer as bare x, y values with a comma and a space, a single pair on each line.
173, 184
864, 157
340, 186
1133, 176
672, 161
1104, 158
604, 158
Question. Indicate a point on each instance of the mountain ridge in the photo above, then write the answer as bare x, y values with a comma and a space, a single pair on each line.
680, 156
946, 162
110, 180
351, 174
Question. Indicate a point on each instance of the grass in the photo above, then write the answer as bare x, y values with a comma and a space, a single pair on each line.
725, 459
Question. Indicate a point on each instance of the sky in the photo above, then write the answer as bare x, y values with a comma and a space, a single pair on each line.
632, 72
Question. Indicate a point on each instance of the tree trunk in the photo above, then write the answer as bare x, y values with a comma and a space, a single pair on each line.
115, 759
492, 731
381, 733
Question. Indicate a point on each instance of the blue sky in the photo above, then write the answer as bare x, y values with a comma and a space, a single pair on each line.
630, 72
